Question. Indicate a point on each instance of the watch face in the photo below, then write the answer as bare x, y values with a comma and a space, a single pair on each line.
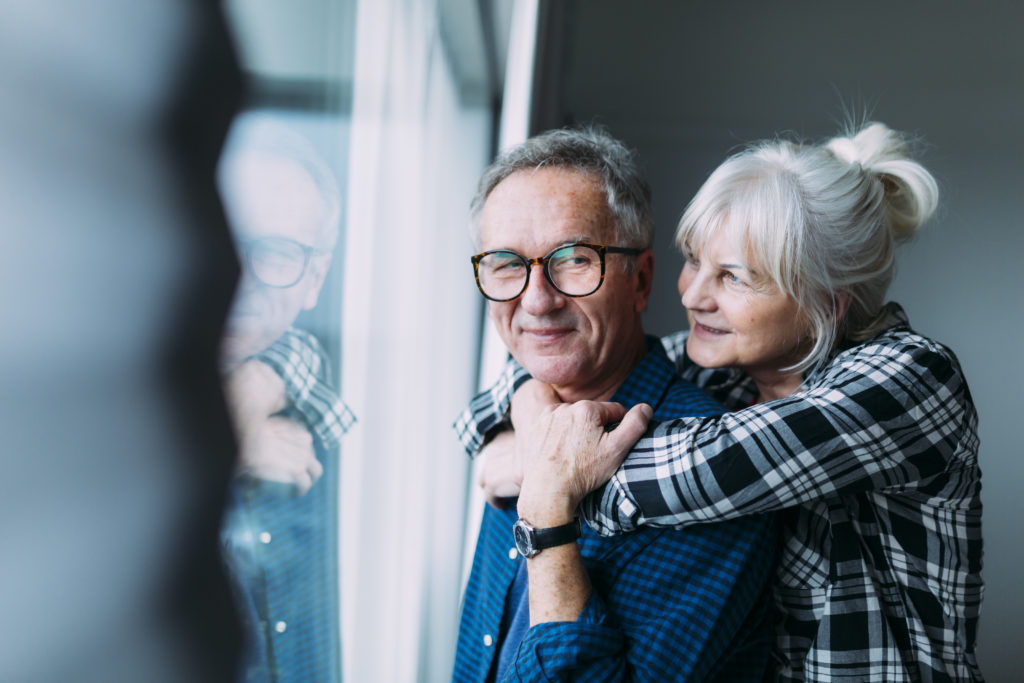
524, 540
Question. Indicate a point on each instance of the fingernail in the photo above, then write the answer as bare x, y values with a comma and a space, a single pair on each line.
647, 411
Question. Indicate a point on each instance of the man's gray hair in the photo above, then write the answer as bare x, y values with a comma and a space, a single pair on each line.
588, 150
254, 133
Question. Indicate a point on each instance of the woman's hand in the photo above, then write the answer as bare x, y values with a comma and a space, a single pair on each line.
566, 453
500, 473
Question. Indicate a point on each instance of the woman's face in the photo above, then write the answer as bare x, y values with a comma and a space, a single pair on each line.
738, 318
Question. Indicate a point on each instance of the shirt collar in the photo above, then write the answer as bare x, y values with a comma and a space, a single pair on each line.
649, 379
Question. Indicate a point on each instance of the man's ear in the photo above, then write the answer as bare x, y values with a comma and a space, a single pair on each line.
318, 267
644, 277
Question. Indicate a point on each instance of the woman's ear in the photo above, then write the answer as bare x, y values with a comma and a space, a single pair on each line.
842, 300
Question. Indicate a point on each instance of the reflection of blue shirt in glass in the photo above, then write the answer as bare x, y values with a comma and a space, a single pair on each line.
666, 604
282, 549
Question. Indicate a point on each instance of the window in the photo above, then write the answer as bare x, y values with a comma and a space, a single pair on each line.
282, 178
398, 100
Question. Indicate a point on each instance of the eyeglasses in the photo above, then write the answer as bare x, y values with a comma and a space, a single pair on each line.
277, 261
572, 269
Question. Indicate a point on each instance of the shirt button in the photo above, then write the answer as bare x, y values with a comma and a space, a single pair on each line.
280, 627
488, 641
513, 553
265, 537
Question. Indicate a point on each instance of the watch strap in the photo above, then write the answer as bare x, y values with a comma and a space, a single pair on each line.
531, 541
557, 535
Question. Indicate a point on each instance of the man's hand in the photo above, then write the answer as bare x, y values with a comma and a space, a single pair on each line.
253, 391
568, 454
270, 447
280, 450
501, 472
530, 401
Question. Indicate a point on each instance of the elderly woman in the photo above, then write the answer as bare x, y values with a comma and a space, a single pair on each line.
859, 431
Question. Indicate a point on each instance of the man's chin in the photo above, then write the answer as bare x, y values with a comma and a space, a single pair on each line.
554, 370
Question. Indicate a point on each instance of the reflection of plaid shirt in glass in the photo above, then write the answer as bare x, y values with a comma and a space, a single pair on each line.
300, 361
282, 549
874, 465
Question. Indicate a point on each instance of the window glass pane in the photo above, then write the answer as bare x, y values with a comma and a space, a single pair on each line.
282, 181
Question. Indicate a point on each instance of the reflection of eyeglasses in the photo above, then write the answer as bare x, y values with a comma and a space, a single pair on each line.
573, 269
277, 261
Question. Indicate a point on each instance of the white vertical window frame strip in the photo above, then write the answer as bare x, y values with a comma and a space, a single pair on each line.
514, 128
367, 129
408, 330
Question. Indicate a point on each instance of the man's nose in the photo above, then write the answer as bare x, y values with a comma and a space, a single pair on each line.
540, 296
247, 282
248, 290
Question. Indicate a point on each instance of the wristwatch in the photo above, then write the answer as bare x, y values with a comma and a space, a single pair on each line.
530, 541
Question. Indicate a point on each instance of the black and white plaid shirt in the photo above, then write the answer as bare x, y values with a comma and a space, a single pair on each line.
873, 463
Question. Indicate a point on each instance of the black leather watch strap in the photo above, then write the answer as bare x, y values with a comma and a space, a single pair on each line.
531, 541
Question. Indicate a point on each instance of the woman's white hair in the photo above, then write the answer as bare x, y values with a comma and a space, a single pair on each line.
820, 223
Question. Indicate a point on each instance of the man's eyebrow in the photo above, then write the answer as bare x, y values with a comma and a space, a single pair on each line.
575, 239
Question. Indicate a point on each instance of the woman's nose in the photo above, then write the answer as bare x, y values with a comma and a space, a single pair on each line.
693, 288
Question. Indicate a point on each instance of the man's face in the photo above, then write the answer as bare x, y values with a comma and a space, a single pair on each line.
271, 197
582, 346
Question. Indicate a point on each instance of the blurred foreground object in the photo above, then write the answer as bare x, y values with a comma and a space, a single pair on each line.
115, 279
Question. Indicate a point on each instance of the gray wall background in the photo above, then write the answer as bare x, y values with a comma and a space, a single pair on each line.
686, 83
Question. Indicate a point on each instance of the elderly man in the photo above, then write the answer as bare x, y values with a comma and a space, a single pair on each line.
280, 529
564, 227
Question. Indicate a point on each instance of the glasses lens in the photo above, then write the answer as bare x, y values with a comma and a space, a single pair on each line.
277, 262
575, 269
502, 274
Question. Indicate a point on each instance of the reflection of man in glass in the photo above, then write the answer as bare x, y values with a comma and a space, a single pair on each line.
280, 530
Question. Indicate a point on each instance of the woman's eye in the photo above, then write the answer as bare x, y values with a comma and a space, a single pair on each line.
731, 278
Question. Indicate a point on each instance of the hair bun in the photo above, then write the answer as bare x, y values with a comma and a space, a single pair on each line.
845, 149
911, 193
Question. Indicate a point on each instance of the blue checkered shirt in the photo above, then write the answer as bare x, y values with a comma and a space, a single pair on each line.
667, 605
874, 465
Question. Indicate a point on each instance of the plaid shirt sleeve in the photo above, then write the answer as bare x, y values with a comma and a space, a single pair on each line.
488, 410
882, 416
301, 362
